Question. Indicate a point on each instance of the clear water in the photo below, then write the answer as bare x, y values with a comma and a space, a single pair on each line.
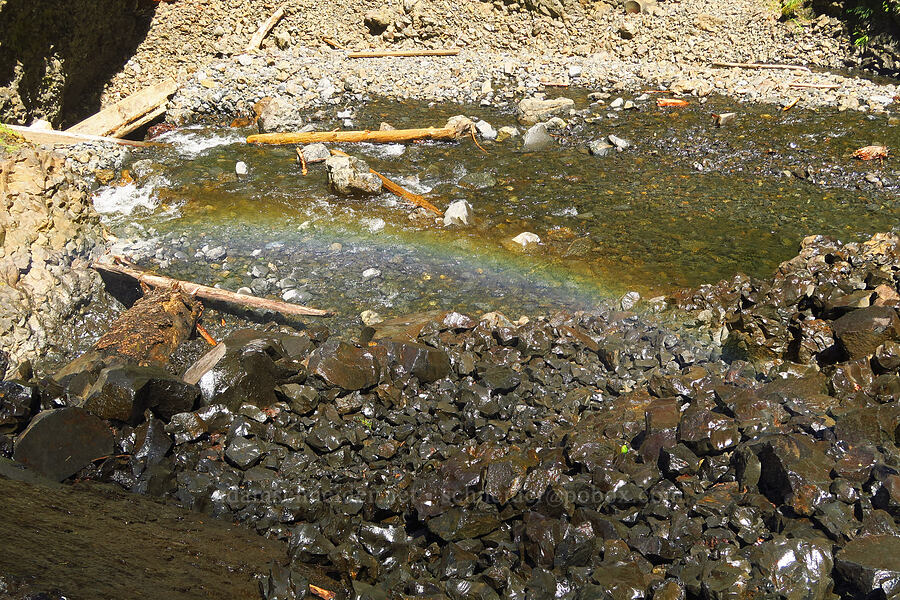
689, 203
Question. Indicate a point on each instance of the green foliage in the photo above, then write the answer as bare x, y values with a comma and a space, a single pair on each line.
790, 9
10, 141
864, 14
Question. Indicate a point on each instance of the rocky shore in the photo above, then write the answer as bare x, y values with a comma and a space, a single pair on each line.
576, 456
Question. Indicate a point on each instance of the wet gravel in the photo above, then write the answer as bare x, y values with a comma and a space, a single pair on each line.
578, 456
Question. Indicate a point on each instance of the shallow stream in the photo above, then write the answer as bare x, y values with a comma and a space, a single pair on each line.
687, 203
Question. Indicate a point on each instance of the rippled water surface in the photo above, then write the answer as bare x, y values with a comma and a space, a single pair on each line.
688, 203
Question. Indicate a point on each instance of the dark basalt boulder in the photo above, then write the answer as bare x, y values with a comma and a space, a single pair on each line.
426, 363
59, 443
794, 471
862, 331
347, 367
125, 392
871, 565
17, 403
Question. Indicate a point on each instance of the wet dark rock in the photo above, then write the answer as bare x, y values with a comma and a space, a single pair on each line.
243, 453
795, 568
862, 331
344, 366
242, 371
500, 379
17, 403
186, 427
794, 471
325, 438
870, 564
458, 524
426, 363
59, 443
124, 393
887, 356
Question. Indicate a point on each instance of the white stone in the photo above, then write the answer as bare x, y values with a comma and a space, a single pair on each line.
245, 60
485, 130
371, 273
617, 103
458, 213
525, 238
241, 168
370, 317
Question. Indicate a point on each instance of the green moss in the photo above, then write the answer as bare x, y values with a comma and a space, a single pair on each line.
10, 141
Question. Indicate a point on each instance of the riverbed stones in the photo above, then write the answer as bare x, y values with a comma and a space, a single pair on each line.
314, 153
125, 392
533, 110
349, 175
60, 442
527, 238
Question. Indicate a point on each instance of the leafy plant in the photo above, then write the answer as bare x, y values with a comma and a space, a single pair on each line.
790, 9
864, 14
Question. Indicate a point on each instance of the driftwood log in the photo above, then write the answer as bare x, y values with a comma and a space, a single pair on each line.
210, 293
50, 137
264, 29
388, 136
128, 114
146, 334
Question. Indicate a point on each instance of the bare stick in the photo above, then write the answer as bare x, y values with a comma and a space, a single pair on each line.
399, 190
210, 293
790, 104
332, 43
816, 86
264, 29
52, 136
390, 136
738, 65
403, 53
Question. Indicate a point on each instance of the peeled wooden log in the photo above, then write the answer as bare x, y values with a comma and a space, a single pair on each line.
51, 137
385, 137
210, 293
740, 65
146, 334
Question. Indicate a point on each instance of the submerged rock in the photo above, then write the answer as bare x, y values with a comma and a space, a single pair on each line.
458, 213
537, 138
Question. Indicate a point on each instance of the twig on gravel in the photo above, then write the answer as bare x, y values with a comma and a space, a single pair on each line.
737, 65
815, 86
387, 53
264, 29
332, 43
790, 104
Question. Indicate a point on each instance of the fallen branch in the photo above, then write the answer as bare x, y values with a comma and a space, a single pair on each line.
211, 293
117, 119
302, 158
790, 104
51, 137
321, 592
399, 190
738, 65
387, 137
332, 43
474, 139
815, 86
205, 334
403, 53
264, 29
671, 103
